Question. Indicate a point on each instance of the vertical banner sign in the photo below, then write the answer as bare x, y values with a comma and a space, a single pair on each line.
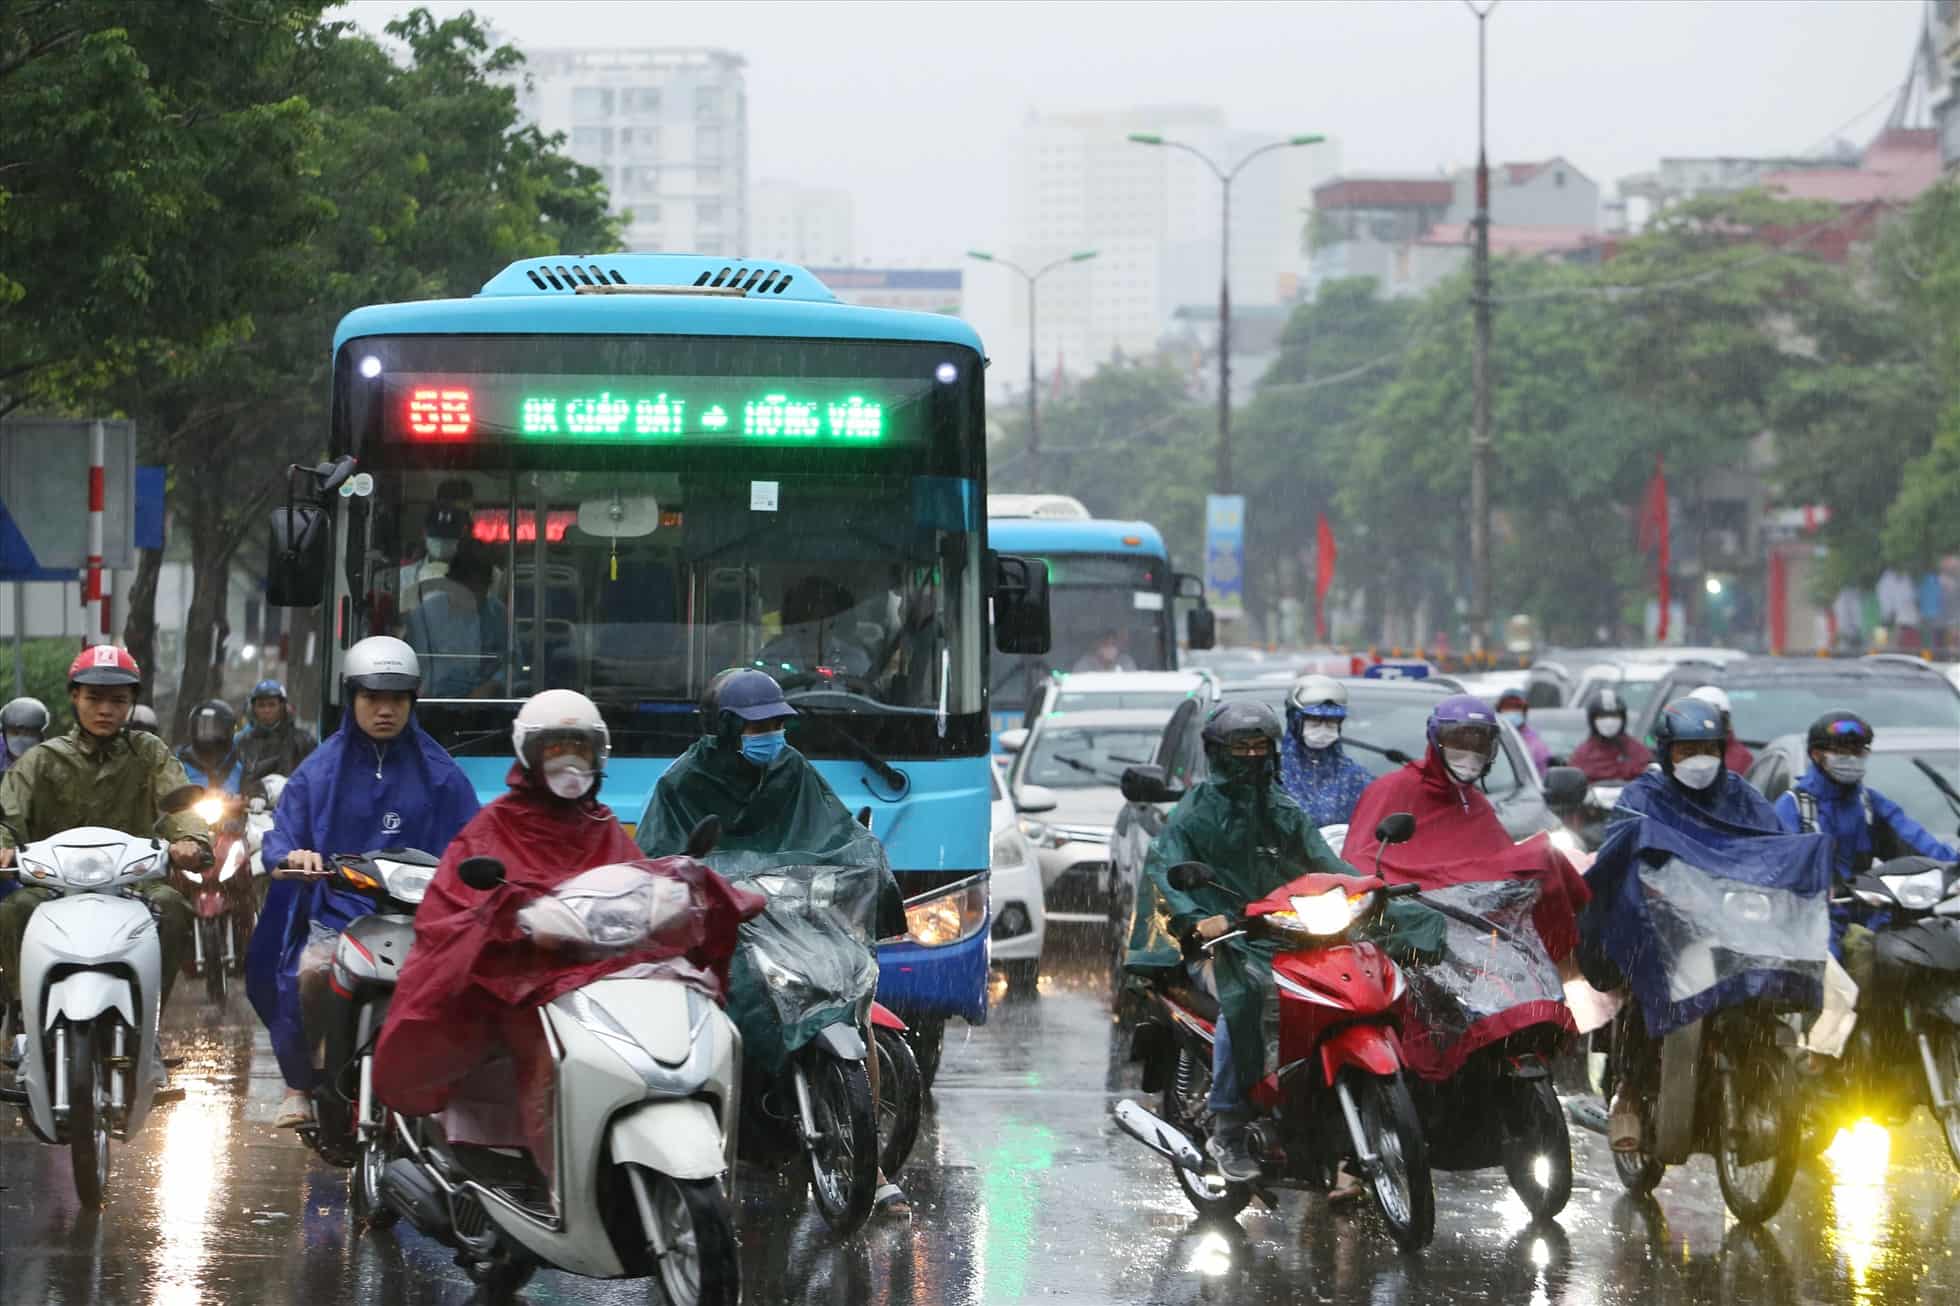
1225, 553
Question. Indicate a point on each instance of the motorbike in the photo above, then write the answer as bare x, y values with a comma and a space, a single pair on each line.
646, 1103
259, 809
91, 980
1905, 1049
221, 895
1339, 1095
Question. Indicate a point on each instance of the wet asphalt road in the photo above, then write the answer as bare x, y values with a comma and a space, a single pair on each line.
1024, 1191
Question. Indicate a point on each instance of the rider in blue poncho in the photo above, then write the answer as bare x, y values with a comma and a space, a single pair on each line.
209, 759
1314, 769
378, 782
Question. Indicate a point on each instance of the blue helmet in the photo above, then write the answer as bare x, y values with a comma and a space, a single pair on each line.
1687, 720
268, 689
750, 695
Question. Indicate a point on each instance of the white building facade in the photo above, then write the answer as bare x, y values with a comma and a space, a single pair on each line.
811, 225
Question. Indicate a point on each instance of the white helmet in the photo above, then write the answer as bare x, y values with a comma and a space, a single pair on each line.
1715, 696
383, 665
559, 716
1318, 696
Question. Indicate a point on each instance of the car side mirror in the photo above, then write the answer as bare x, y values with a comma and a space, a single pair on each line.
1396, 827
1565, 786
1030, 799
1186, 876
1020, 599
1201, 628
1149, 784
1013, 741
701, 840
481, 873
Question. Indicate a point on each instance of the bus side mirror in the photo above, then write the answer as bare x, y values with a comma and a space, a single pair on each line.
296, 561
1020, 604
1200, 628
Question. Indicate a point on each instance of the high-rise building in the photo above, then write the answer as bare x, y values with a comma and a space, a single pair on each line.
668, 129
810, 225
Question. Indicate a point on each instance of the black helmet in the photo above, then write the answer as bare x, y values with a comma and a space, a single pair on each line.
212, 726
1834, 730
1687, 720
1609, 703
24, 716
1241, 740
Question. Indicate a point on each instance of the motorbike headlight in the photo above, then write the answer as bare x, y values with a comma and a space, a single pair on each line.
1327, 913
83, 867
1009, 850
405, 883
948, 917
779, 976
1746, 904
1917, 892
1568, 843
210, 810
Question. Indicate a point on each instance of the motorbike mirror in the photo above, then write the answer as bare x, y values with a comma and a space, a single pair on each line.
702, 839
482, 873
1186, 876
1396, 827
864, 817
334, 474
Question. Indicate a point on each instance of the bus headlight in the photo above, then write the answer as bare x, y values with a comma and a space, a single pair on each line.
948, 917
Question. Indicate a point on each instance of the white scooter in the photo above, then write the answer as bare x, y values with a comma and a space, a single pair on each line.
646, 1100
91, 975
258, 823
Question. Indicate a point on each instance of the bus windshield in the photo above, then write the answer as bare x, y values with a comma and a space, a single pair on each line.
1111, 612
565, 536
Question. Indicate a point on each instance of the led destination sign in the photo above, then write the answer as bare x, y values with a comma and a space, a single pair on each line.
471, 408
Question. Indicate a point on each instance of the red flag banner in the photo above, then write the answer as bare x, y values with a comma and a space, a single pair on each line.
1325, 556
1653, 532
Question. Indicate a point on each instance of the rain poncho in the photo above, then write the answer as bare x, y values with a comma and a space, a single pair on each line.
1841, 814
352, 795
1701, 901
1619, 758
227, 774
1535, 745
472, 960
271, 750
811, 956
1326, 782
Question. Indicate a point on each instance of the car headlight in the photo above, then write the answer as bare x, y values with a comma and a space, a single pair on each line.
209, 810
83, 867
1328, 913
1041, 835
947, 917
1918, 892
1009, 851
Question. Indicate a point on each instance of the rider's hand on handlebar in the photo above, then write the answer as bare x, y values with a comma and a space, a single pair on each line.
186, 854
6, 858
1212, 926
301, 860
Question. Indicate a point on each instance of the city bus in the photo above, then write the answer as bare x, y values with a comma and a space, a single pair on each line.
1108, 581
624, 473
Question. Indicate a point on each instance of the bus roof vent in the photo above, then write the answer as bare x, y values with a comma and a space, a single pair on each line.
657, 273
1046, 507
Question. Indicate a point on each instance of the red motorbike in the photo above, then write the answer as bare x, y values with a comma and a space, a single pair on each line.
221, 894
1338, 1096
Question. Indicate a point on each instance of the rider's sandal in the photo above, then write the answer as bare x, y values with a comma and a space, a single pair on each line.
1346, 1189
889, 1202
1623, 1128
294, 1115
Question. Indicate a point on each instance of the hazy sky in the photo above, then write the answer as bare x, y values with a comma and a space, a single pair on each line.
915, 106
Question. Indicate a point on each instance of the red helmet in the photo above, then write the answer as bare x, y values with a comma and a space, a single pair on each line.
104, 664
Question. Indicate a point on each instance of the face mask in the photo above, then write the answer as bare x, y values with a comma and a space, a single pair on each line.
1237, 770
1609, 727
19, 744
1698, 772
764, 749
1515, 718
1464, 764
441, 550
1314, 736
1844, 770
568, 777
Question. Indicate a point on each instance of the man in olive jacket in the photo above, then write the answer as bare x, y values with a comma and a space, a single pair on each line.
99, 774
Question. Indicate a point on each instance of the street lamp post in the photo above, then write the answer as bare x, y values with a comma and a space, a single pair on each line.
1480, 446
1223, 473
1034, 413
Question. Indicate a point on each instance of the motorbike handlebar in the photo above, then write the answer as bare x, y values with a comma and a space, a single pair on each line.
1402, 890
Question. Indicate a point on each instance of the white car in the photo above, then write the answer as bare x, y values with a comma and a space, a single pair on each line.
1020, 921
1081, 691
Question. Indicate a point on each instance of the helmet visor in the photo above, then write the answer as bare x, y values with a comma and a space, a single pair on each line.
1468, 736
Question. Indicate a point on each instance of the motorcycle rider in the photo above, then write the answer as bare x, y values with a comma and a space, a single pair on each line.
23, 724
209, 758
745, 772
1865, 826
1315, 770
1514, 707
271, 743
143, 720
102, 775
1607, 752
1737, 758
377, 782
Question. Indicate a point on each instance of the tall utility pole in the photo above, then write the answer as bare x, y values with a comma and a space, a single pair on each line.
1225, 177
1034, 410
1480, 447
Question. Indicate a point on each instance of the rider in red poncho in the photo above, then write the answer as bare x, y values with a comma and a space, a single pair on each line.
1459, 838
473, 982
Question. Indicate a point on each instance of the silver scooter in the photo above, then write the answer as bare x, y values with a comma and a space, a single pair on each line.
646, 1096
91, 977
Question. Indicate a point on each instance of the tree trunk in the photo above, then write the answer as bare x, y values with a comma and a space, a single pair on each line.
140, 627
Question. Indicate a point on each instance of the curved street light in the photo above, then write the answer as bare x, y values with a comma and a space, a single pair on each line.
1034, 424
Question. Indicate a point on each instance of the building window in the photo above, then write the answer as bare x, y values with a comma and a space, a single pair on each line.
639, 181
707, 143
591, 140
707, 101
641, 102
590, 102
639, 142
707, 213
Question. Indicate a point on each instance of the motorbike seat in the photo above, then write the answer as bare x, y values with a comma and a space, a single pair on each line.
1194, 1000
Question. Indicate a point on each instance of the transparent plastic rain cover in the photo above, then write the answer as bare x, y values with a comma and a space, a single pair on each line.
1495, 976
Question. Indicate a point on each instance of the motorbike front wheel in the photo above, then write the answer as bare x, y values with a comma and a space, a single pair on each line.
1404, 1191
901, 1090
700, 1267
211, 933
841, 1147
364, 1199
88, 1116
1537, 1147
1759, 1127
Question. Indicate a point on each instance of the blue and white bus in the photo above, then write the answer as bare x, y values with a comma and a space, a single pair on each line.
624, 473
1109, 582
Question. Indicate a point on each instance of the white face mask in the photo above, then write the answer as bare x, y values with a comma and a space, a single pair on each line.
441, 550
19, 744
1464, 764
1844, 770
1609, 727
1318, 736
568, 777
1698, 772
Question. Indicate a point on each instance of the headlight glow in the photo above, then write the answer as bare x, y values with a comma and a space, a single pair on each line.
1329, 912
947, 918
1568, 843
1747, 905
1918, 892
209, 810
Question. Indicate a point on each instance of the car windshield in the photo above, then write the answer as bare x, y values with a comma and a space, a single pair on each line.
1149, 700
1782, 707
1087, 757
1895, 776
1561, 730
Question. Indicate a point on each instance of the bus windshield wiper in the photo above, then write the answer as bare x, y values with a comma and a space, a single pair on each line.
899, 782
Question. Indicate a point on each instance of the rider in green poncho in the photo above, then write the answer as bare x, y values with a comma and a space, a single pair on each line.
1254, 838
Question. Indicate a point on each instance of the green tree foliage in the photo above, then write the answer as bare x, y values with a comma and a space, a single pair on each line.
1919, 259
